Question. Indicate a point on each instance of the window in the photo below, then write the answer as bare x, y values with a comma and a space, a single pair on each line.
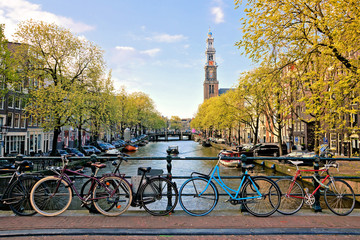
17, 102
23, 122
333, 140
9, 120
17, 120
11, 101
23, 103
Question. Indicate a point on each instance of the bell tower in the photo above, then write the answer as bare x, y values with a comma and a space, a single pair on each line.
211, 84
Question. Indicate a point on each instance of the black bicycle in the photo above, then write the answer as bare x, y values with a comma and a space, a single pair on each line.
17, 192
156, 194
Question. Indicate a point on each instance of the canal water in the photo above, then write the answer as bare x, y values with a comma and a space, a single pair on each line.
182, 167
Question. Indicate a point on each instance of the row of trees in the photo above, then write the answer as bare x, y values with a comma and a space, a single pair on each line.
69, 85
307, 54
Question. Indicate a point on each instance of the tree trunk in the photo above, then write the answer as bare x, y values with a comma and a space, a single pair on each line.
57, 132
256, 133
79, 138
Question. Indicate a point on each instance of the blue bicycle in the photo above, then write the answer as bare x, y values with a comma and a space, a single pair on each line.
259, 195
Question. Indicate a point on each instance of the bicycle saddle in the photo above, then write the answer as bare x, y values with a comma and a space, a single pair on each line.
98, 165
296, 163
143, 169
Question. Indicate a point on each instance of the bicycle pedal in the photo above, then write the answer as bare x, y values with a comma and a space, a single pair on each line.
228, 200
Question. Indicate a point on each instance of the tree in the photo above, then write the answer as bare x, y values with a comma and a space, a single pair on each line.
320, 38
58, 63
175, 123
8, 70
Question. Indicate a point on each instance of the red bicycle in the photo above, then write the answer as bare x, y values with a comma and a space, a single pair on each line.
338, 194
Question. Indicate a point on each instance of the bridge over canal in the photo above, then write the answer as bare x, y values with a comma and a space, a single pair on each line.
170, 136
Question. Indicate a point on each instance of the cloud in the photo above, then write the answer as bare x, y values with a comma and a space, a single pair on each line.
218, 14
167, 38
120, 48
14, 11
125, 50
151, 52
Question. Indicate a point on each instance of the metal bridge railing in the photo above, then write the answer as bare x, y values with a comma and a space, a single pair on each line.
40, 164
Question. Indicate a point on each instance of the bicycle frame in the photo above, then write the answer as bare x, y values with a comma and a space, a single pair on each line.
63, 176
233, 194
298, 174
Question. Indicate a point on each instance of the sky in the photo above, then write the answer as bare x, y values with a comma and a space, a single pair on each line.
153, 46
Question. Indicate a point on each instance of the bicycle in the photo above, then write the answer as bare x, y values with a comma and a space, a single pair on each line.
338, 194
259, 195
51, 196
17, 191
157, 194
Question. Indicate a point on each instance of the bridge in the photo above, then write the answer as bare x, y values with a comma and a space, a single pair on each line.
164, 136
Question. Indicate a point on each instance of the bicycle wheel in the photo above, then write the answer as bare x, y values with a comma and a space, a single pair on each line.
159, 196
51, 196
112, 196
19, 196
339, 197
291, 199
198, 196
261, 205
86, 190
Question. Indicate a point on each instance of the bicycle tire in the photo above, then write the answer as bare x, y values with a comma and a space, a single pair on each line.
339, 197
159, 196
107, 200
268, 203
51, 196
290, 204
19, 194
194, 205
85, 190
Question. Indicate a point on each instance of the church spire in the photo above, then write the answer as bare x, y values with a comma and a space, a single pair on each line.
211, 85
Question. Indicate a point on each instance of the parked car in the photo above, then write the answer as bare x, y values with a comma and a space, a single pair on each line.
246, 149
103, 147
119, 143
62, 152
95, 149
87, 150
269, 149
74, 151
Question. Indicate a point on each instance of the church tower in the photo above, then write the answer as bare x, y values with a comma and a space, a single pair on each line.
211, 84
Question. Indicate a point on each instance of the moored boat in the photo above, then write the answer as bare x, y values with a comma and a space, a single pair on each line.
228, 162
206, 143
130, 148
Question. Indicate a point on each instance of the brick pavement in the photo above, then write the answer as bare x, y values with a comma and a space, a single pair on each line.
180, 226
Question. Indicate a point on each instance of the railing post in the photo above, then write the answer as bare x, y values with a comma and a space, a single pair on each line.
243, 163
316, 206
168, 160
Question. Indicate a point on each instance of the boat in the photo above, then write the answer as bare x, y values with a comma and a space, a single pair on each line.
172, 150
206, 143
228, 162
130, 148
